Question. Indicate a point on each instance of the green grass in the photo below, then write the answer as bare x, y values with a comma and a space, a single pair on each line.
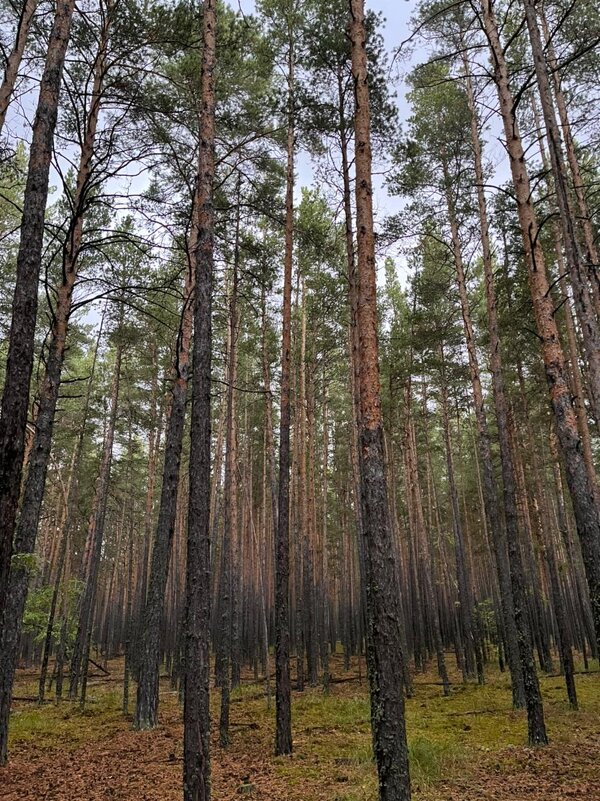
65, 724
430, 761
448, 737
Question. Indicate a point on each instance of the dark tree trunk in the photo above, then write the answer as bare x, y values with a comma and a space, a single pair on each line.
496, 526
465, 593
129, 589
146, 711
196, 709
19, 363
236, 558
79, 659
154, 436
13, 62
283, 708
40, 453
230, 517
70, 513
15, 397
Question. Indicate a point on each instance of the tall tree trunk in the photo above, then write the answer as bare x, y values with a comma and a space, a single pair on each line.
230, 516
536, 725
148, 668
421, 535
345, 137
237, 560
465, 592
576, 176
19, 363
70, 514
305, 498
384, 641
496, 526
130, 584
270, 446
582, 298
153, 448
324, 589
196, 709
582, 493
13, 62
283, 709
297, 508
33, 495
263, 591
95, 537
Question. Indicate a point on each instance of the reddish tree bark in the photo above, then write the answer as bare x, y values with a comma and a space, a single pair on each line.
384, 640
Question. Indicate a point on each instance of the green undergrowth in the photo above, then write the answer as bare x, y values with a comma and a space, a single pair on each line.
332, 738
65, 725
448, 737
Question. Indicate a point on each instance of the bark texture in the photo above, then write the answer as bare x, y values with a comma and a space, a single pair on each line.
496, 526
19, 363
13, 62
283, 710
146, 710
581, 491
196, 705
384, 640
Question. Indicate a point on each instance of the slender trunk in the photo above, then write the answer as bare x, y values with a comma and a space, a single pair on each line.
421, 535
345, 137
384, 640
582, 493
129, 589
60, 563
70, 512
489, 489
13, 62
283, 724
576, 177
196, 710
230, 517
305, 545
232, 500
33, 495
465, 594
497, 529
270, 446
148, 668
79, 660
537, 733
153, 449
297, 513
324, 591
19, 363
263, 595
584, 307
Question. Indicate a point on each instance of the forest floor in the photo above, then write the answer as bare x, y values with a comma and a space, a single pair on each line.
468, 747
